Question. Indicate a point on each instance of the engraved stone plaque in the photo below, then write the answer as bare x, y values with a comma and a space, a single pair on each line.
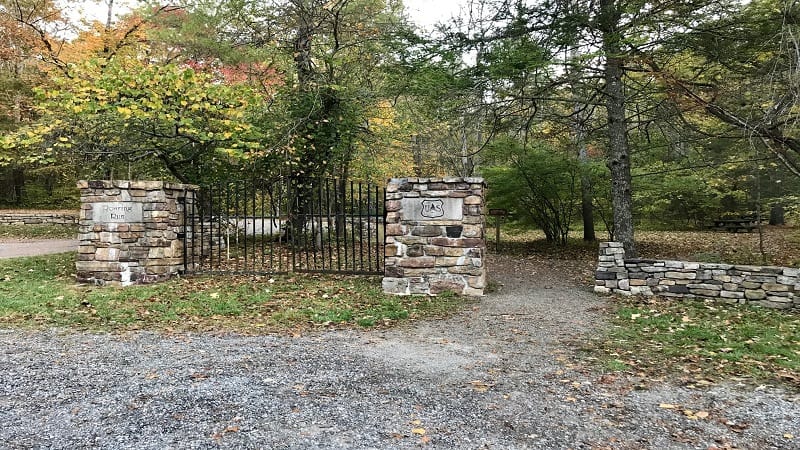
445, 208
116, 212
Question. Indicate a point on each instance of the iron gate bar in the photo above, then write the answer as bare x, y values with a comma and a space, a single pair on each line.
319, 235
352, 229
244, 214
237, 227
378, 229
339, 224
262, 228
369, 228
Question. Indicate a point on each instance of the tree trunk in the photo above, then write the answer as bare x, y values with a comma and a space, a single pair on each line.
464, 170
302, 56
416, 148
619, 157
777, 215
110, 16
17, 109
587, 211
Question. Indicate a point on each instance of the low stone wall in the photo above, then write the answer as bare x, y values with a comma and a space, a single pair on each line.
435, 238
37, 218
771, 287
131, 231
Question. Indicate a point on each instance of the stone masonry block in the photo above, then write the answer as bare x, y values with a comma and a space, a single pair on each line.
446, 261
418, 262
682, 275
415, 250
395, 229
435, 250
602, 290
454, 251
790, 272
605, 275
454, 283
473, 200
107, 254
418, 285
755, 294
775, 287
426, 231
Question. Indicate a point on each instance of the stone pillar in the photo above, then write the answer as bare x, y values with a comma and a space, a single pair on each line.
131, 231
611, 275
435, 238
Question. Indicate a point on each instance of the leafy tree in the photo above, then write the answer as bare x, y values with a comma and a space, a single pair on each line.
156, 117
539, 186
742, 72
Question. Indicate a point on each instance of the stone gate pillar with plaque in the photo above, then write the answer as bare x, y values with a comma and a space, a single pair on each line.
131, 231
435, 237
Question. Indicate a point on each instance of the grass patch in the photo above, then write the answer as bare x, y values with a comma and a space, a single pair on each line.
38, 231
702, 341
40, 292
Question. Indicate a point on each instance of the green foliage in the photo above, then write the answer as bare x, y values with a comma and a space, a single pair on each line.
44, 188
160, 118
678, 200
538, 186
326, 127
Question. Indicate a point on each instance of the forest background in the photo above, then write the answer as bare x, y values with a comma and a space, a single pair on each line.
622, 113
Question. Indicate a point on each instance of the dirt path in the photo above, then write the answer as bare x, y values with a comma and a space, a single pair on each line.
501, 375
12, 248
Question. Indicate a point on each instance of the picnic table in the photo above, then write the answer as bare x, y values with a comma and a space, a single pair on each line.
735, 225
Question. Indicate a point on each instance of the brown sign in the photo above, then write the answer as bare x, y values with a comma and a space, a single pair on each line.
498, 212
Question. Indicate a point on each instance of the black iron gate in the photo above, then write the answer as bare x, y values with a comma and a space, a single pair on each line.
280, 226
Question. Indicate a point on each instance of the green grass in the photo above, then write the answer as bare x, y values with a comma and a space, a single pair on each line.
38, 231
702, 340
40, 292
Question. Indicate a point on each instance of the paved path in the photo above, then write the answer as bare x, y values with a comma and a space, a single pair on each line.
17, 248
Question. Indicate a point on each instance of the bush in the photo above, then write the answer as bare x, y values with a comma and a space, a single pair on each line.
537, 186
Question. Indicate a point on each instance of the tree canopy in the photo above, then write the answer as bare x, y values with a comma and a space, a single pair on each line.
655, 112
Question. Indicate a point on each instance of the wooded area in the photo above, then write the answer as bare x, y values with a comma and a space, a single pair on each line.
628, 113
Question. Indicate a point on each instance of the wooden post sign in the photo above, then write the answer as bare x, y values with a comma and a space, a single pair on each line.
499, 214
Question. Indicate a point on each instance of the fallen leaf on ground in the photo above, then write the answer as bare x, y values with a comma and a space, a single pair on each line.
480, 386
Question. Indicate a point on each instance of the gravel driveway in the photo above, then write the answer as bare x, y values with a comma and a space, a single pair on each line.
499, 375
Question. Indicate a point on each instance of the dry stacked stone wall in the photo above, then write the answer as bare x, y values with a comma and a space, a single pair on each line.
38, 217
435, 239
131, 231
772, 287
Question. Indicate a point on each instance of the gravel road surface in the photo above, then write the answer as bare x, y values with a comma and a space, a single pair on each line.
499, 375
17, 248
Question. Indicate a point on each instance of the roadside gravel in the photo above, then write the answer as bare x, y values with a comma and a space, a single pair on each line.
501, 375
